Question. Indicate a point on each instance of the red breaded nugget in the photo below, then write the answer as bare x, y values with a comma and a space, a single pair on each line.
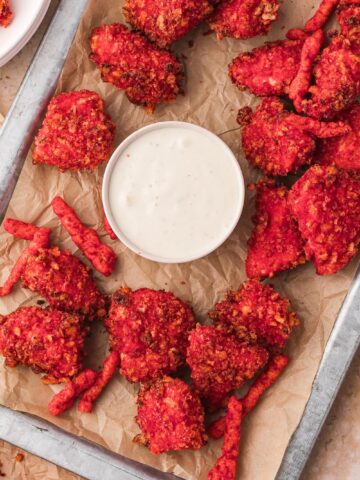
244, 18
148, 75
275, 243
65, 399
268, 70
166, 21
65, 282
326, 203
170, 416
280, 142
337, 81
150, 331
348, 15
111, 364
6, 14
256, 313
76, 133
225, 466
100, 255
220, 363
48, 341
343, 151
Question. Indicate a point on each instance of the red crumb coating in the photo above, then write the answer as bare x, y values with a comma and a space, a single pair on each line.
256, 313
220, 363
19, 229
100, 255
41, 239
301, 83
76, 133
348, 15
65, 399
337, 81
48, 341
280, 142
170, 416
111, 364
225, 466
326, 203
266, 379
268, 70
149, 329
321, 16
166, 21
64, 281
344, 151
148, 75
275, 243
244, 18
6, 14
108, 228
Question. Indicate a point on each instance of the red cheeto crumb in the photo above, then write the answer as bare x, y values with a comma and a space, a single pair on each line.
170, 416
111, 364
219, 363
76, 133
148, 75
326, 203
275, 242
6, 14
100, 255
65, 399
226, 464
256, 313
166, 21
108, 228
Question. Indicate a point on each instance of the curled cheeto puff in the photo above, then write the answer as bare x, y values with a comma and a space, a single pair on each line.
64, 400
6, 14
100, 255
111, 364
226, 464
265, 380
321, 16
19, 229
244, 19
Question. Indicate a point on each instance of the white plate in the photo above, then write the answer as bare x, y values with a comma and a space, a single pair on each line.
28, 14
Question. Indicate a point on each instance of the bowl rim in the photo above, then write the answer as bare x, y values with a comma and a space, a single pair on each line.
106, 188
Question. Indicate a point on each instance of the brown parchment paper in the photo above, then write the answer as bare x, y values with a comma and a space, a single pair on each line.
211, 101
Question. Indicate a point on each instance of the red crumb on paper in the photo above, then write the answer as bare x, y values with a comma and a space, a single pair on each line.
111, 364
170, 416
65, 399
6, 14
19, 457
100, 255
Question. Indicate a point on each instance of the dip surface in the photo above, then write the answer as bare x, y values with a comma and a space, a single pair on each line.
175, 193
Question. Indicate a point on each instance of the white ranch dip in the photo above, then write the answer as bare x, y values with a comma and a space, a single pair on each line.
175, 193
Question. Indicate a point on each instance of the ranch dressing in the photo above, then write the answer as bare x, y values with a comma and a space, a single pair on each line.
176, 193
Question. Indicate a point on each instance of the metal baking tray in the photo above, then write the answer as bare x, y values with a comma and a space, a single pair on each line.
77, 454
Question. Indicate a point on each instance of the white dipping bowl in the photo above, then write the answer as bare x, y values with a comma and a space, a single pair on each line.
173, 192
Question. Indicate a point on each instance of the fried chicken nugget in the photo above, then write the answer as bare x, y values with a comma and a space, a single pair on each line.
280, 142
6, 14
343, 151
166, 21
150, 331
348, 15
64, 281
170, 416
244, 18
48, 341
76, 133
225, 466
275, 243
65, 399
100, 255
220, 363
268, 70
256, 313
326, 204
265, 380
337, 81
148, 75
